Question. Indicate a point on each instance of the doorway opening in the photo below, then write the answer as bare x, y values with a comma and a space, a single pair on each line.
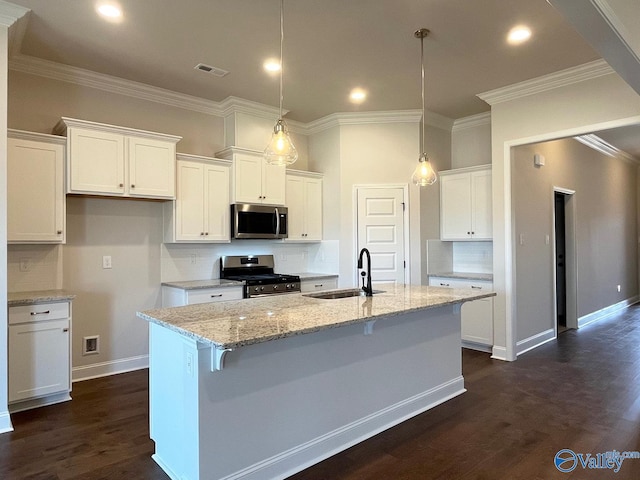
565, 277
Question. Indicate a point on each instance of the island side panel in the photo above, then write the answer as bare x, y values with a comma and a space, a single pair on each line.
280, 406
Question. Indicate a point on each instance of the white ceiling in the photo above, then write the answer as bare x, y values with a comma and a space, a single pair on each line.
331, 46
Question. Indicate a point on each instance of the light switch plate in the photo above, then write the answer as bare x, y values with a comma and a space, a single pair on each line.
106, 261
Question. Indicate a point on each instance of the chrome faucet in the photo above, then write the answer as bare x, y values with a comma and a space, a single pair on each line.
368, 290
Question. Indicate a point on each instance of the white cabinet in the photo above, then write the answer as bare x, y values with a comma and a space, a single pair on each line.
318, 284
465, 204
200, 212
39, 354
304, 202
253, 180
177, 297
108, 160
35, 188
477, 316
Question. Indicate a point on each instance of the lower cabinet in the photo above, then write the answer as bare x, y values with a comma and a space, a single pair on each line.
477, 316
317, 284
177, 297
39, 355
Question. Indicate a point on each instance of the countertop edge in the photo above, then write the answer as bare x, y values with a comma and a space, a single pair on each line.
21, 299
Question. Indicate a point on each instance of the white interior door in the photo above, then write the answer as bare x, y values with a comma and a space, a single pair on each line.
381, 231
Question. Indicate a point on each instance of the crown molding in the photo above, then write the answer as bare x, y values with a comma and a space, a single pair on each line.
35, 136
472, 121
559, 79
368, 118
109, 83
10, 13
598, 144
231, 105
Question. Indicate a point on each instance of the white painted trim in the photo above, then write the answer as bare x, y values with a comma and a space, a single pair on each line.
66, 122
30, 403
499, 353
544, 83
606, 311
5, 423
200, 158
599, 145
304, 173
113, 367
11, 13
477, 346
38, 137
534, 341
406, 220
310, 453
472, 121
475, 168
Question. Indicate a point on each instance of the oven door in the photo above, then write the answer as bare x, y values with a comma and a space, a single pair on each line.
258, 221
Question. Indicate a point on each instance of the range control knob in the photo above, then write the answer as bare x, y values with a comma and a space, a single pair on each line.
288, 286
275, 287
256, 289
262, 289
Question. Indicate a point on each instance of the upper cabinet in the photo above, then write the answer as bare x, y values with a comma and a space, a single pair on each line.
201, 210
117, 161
304, 203
253, 180
465, 204
35, 188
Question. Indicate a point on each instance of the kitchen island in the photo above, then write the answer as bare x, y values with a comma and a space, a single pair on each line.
264, 387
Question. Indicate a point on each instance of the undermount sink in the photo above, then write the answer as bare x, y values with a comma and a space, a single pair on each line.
332, 295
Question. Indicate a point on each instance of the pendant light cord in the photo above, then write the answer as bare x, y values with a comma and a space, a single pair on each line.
422, 144
281, 49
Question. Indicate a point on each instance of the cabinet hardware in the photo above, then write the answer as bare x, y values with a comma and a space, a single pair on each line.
206, 233
59, 232
445, 284
41, 313
133, 186
319, 285
121, 185
64, 330
201, 233
218, 295
478, 288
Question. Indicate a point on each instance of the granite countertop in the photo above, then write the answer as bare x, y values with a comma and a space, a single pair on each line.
314, 276
464, 275
200, 284
232, 324
15, 299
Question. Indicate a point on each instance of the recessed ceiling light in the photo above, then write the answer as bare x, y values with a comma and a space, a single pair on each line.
271, 65
519, 34
109, 10
358, 95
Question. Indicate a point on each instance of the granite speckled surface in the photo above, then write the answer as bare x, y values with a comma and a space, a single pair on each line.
237, 323
488, 277
314, 276
16, 299
200, 284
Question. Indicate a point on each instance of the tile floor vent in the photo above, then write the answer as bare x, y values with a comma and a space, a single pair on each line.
218, 72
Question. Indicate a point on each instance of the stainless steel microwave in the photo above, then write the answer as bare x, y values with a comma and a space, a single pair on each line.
258, 221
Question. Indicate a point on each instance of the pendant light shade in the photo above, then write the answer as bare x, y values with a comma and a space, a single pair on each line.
424, 173
280, 150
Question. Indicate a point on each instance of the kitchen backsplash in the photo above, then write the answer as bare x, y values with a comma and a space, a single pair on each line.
34, 267
184, 262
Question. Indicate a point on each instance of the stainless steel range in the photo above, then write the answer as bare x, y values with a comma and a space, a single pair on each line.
256, 271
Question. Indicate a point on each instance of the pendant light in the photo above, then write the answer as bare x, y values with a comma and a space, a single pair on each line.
424, 174
280, 150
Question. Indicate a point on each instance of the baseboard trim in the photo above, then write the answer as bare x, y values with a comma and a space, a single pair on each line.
534, 341
5, 423
605, 312
477, 346
104, 369
499, 353
309, 453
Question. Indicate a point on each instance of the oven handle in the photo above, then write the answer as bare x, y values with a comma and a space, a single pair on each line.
277, 222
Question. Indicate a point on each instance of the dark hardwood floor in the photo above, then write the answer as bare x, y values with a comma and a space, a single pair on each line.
581, 392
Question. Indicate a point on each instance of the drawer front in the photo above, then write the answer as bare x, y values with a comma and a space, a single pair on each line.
460, 283
318, 284
38, 313
214, 295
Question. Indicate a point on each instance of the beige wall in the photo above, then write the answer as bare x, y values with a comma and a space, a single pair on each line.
471, 145
606, 229
603, 102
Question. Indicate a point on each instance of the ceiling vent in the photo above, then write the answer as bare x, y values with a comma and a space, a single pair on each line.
218, 72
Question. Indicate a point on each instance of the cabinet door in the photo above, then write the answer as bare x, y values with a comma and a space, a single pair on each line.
247, 179
95, 162
152, 165
313, 209
455, 207
216, 198
481, 203
273, 184
189, 208
296, 207
477, 321
35, 192
38, 359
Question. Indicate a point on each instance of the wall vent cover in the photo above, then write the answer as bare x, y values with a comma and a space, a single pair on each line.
218, 72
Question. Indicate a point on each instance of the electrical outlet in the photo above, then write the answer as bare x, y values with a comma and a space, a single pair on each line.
194, 258
106, 261
25, 264
618, 288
